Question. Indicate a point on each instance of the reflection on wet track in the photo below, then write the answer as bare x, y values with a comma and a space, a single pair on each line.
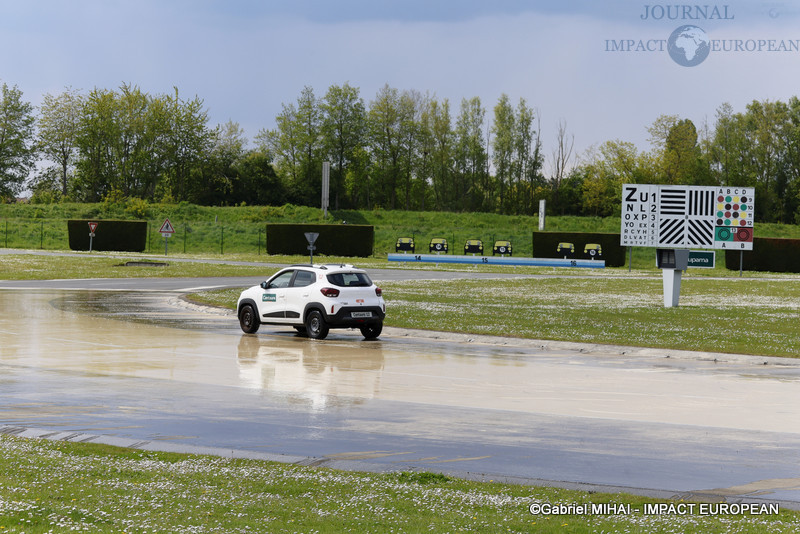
133, 364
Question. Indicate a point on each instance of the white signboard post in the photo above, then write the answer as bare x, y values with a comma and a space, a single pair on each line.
311, 237
639, 220
326, 187
686, 217
92, 228
166, 230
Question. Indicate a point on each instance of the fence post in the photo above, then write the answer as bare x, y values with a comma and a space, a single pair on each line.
41, 237
221, 240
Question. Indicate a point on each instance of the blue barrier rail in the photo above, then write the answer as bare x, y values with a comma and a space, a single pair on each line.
495, 260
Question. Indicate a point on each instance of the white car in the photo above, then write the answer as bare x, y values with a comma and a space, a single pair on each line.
314, 299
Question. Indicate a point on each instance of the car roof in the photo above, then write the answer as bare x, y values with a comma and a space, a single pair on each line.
327, 267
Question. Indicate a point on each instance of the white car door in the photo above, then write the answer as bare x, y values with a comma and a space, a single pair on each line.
273, 298
298, 294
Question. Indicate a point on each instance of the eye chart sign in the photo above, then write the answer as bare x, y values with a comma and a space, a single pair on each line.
680, 216
639, 215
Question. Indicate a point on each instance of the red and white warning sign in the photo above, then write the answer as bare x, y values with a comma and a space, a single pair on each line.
92, 227
167, 229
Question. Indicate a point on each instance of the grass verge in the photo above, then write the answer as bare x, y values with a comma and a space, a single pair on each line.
733, 315
53, 486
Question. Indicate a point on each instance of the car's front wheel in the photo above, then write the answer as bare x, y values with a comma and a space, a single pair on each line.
316, 327
371, 331
248, 319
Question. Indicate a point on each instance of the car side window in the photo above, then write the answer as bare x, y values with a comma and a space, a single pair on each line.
282, 280
303, 278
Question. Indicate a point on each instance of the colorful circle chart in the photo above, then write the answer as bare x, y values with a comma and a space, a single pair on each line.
734, 210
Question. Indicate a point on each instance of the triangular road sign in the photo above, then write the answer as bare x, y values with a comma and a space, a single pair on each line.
92, 227
167, 228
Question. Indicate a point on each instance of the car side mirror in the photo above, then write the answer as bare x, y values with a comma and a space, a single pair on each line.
264, 285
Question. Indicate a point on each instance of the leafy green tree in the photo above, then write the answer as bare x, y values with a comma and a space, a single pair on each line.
755, 149
562, 156
256, 181
216, 180
446, 192
283, 143
528, 178
471, 158
358, 181
59, 123
309, 115
681, 157
517, 156
386, 148
660, 129
411, 106
17, 143
187, 143
344, 126
96, 136
613, 164
503, 129
725, 146
297, 145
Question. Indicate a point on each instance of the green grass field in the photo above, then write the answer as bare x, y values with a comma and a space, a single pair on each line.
48, 486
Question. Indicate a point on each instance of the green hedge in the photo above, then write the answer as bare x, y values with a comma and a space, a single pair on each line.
356, 240
111, 235
545, 245
768, 254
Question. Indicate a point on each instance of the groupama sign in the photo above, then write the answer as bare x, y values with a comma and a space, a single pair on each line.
680, 216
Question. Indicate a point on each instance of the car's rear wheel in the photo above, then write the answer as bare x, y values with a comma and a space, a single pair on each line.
371, 331
248, 319
316, 327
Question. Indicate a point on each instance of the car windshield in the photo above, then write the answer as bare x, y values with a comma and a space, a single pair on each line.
350, 279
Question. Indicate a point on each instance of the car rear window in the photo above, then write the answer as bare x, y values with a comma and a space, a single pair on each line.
350, 279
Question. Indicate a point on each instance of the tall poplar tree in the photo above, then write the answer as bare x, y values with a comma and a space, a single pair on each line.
17, 147
471, 157
59, 122
344, 130
503, 147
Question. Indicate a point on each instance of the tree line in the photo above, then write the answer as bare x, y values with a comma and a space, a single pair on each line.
757, 148
402, 150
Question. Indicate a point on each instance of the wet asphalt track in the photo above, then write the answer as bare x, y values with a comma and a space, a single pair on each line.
126, 362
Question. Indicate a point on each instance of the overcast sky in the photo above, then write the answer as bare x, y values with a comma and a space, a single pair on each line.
246, 58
